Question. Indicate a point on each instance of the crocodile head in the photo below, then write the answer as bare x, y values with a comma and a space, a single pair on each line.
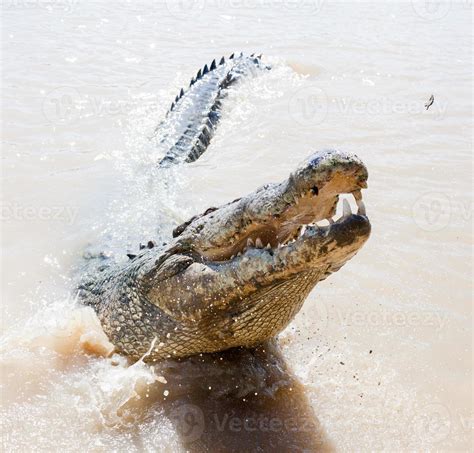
242, 271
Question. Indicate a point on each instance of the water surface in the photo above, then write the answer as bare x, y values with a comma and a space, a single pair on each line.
379, 358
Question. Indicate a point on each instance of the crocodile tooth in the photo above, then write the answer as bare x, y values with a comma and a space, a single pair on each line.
296, 200
222, 61
232, 56
192, 82
269, 246
361, 207
205, 70
232, 257
239, 254
213, 65
198, 75
176, 99
250, 242
346, 208
172, 106
259, 243
181, 93
302, 194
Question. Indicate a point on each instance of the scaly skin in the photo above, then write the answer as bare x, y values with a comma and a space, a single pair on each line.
190, 124
217, 284
234, 275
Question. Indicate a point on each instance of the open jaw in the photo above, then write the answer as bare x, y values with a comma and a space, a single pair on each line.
280, 234
277, 216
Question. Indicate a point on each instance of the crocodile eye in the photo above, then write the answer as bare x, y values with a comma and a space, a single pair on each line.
314, 190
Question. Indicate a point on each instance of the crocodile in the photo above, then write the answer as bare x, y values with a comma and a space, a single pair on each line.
234, 275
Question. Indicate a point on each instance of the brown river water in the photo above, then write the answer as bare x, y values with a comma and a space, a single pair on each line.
379, 358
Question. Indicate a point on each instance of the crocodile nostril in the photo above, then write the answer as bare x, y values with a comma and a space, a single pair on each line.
314, 190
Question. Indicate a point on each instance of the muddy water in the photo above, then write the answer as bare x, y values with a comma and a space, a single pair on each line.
380, 357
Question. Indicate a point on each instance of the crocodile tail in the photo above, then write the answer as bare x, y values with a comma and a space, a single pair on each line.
195, 112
